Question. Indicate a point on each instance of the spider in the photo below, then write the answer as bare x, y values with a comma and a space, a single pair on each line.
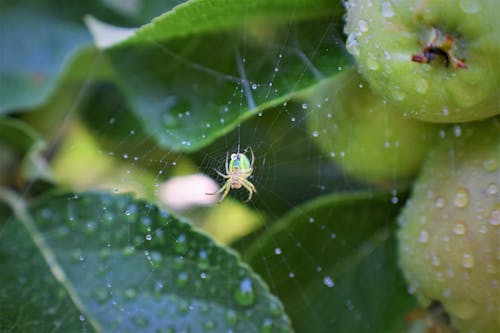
237, 172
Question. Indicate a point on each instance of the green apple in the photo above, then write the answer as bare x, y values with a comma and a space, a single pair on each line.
437, 60
365, 135
449, 236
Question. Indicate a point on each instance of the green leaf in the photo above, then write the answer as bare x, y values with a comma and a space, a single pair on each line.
21, 151
35, 45
198, 17
189, 91
32, 300
128, 267
43, 42
332, 262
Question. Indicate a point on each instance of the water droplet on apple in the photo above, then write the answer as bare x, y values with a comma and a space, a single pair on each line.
470, 6
460, 229
468, 260
387, 10
461, 199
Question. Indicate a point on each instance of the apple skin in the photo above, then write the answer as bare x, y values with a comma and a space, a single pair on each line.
363, 134
384, 35
449, 236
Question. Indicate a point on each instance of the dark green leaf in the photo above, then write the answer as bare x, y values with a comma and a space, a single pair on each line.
190, 91
196, 72
34, 44
199, 17
31, 299
39, 40
21, 151
332, 263
130, 267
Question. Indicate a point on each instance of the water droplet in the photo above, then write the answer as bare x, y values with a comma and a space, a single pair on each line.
155, 258
181, 244
275, 309
372, 64
91, 226
254, 86
461, 199
101, 295
277, 251
387, 10
148, 237
435, 261
468, 260
82, 317
494, 217
132, 209
244, 294
363, 26
490, 164
182, 279
76, 255
267, 326
421, 86
440, 202
492, 189
423, 237
315, 134
457, 130
130, 294
183, 307
460, 229
209, 325
203, 262
128, 250
470, 6
140, 320
231, 317
327, 281
491, 269
352, 45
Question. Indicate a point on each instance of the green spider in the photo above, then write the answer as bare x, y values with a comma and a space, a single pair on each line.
237, 172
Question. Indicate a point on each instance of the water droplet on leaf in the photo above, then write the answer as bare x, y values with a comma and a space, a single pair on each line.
245, 294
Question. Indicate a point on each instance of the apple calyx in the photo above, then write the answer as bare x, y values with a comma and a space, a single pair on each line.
440, 45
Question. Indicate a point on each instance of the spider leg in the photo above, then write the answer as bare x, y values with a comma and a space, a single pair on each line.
227, 166
216, 192
227, 187
249, 187
221, 174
